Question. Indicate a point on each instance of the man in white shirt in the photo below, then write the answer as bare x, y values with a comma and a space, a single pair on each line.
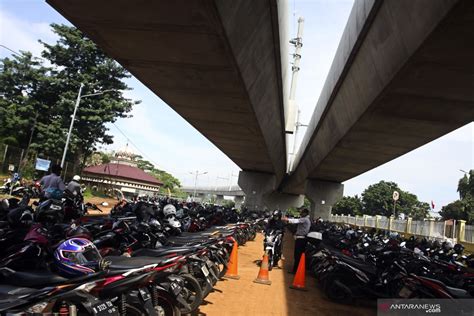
304, 224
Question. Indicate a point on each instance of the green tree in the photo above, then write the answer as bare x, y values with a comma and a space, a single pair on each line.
348, 205
77, 61
377, 199
462, 209
36, 101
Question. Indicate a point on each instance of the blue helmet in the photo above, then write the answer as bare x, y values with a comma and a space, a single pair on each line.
77, 257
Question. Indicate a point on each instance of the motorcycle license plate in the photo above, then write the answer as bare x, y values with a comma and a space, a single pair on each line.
176, 288
144, 294
405, 292
205, 270
103, 308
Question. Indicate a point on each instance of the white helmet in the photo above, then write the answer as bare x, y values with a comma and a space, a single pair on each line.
169, 209
76, 178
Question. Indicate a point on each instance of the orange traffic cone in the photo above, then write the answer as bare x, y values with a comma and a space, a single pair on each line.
299, 282
262, 276
233, 263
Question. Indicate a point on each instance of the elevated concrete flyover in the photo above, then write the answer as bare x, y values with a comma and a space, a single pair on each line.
201, 193
218, 64
403, 75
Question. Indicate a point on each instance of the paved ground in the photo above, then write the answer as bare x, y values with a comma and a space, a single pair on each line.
243, 297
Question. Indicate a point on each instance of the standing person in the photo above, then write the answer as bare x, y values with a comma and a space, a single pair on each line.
52, 184
74, 186
304, 224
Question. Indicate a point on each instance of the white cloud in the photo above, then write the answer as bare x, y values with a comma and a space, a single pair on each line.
18, 34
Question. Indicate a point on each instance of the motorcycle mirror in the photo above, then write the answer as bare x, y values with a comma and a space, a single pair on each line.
104, 204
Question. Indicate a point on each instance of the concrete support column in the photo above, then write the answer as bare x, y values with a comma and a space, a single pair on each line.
219, 199
255, 186
260, 192
323, 195
238, 200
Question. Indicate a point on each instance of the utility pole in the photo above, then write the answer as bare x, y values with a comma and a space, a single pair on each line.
78, 100
196, 175
292, 119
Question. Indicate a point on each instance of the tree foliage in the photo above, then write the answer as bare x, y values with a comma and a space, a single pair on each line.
42, 96
169, 181
348, 205
377, 199
462, 209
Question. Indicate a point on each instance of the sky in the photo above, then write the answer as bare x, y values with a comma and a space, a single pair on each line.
163, 137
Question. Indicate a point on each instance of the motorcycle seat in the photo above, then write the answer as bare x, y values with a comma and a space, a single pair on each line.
124, 263
30, 279
162, 251
6, 291
458, 293
364, 267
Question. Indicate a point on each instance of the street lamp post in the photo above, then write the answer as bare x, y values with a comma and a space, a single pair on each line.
78, 100
196, 175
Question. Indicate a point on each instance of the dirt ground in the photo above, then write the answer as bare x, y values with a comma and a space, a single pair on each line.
244, 297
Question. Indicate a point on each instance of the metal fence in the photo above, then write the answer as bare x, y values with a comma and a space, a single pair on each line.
428, 228
469, 233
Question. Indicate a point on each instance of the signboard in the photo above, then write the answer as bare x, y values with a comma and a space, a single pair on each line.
396, 195
42, 164
11, 167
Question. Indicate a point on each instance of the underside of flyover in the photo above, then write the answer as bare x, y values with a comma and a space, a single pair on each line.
403, 76
216, 63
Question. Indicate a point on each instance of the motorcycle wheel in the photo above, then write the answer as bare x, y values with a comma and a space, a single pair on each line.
194, 295
166, 306
270, 261
337, 290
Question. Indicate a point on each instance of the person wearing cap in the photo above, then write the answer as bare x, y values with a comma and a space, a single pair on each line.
52, 184
74, 186
304, 224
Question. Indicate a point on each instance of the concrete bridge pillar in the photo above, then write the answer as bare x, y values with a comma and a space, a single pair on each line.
260, 192
219, 199
323, 195
238, 200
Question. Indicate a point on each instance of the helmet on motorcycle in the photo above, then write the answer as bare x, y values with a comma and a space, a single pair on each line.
169, 210
76, 257
447, 245
78, 232
458, 248
349, 234
277, 214
76, 178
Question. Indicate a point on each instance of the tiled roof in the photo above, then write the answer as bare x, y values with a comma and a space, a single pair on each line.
122, 171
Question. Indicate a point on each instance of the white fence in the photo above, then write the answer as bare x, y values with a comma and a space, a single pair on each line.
428, 228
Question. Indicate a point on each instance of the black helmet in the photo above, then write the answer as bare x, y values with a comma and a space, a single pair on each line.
277, 214
458, 248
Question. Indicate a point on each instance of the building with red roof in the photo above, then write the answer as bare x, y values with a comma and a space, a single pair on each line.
122, 174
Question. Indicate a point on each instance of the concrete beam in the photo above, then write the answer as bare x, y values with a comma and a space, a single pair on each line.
323, 195
260, 192
401, 77
218, 64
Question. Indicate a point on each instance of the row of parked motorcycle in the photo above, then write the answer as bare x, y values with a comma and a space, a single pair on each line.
352, 265
148, 257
